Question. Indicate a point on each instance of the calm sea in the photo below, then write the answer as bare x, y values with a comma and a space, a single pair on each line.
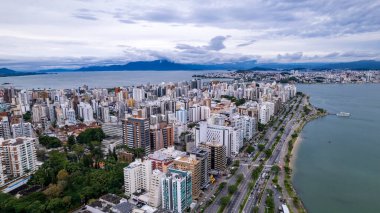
97, 79
337, 168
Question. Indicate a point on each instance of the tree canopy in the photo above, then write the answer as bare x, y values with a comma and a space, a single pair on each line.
68, 181
49, 142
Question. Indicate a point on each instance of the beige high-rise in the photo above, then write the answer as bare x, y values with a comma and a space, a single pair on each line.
190, 163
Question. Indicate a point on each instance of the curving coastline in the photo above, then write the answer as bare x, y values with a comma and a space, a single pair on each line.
290, 194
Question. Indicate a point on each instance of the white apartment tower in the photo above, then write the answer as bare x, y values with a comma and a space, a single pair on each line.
18, 156
181, 116
86, 112
155, 188
5, 131
138, 94
137, 176
71, 116
264, 114
22, 130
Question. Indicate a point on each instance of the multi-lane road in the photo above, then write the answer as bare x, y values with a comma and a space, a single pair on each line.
247, 167
277, 155
261, 183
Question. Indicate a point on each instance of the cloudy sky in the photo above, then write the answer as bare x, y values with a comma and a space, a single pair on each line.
40, 34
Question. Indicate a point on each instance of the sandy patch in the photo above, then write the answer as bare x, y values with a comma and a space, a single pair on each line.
295, 151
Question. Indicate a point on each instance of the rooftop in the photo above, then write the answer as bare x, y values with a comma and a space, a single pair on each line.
111, 198
166, 154
124, 207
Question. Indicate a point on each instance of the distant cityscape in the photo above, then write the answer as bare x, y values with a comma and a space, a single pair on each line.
301, 76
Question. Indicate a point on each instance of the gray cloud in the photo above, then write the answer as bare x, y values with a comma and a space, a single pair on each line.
85, 17
290, 56
85, 14
356, 54
215, 44
246, 43
285, 31
125, 21
314, 18
330, 57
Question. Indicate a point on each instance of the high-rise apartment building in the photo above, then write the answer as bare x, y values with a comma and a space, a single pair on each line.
18, 156
181, 116
86, 112
217, 159
176, 191
105, 114
223, 135
202, 157
191, 164
136, 133
2, 174
138, 94
5, 131
161, 136
22, 129
70, 115
137, 176
155, 188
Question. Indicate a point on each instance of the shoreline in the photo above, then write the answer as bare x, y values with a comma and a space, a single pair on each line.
291, 156
294, 152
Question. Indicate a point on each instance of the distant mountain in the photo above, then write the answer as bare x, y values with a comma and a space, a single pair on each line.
166, 65
4, 72
161, 65
356, 65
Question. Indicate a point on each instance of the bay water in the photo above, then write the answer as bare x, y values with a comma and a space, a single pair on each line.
337, 163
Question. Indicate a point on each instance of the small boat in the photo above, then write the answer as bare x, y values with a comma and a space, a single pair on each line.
343, 114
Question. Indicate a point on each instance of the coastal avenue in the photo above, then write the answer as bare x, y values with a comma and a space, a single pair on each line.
260, 184
276, 159
247, 168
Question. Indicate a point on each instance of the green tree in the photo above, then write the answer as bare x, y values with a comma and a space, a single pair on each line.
261, 147
89, 135
55, 205
250, 149
232, 189
27, 116
78, 150
87, 161
236, 163
268, 153
239, 178
67, 200
261, 127
306, 110
139, 152
256, 209
269, 202
275, 169
54, 190
224, 200
70, 184
49, 142
71, 140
